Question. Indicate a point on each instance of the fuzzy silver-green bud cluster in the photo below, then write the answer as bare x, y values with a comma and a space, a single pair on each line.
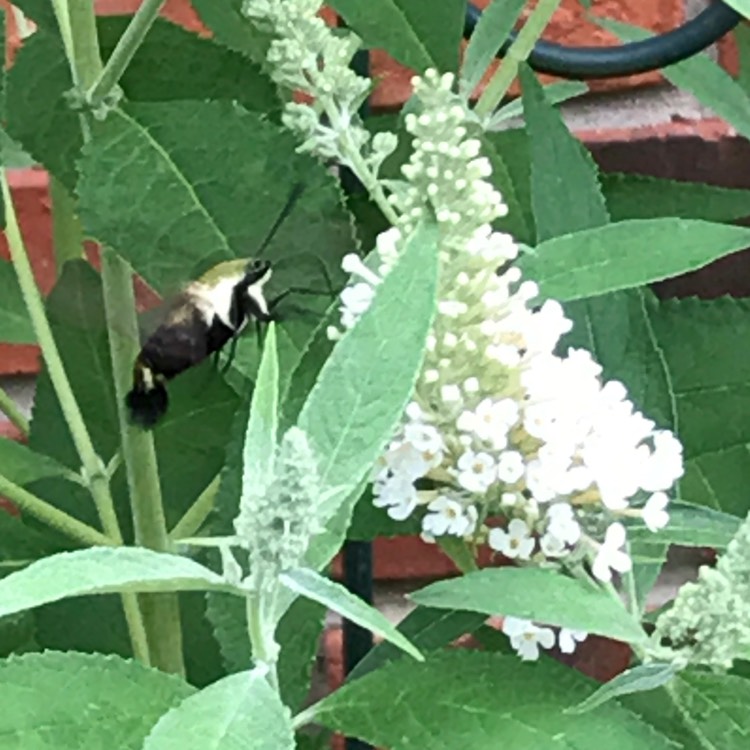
709, 622
306, 56
276, 523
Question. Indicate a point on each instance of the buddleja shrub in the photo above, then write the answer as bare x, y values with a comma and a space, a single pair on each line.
495, 371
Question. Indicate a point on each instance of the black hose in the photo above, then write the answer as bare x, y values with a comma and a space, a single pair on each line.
579, 63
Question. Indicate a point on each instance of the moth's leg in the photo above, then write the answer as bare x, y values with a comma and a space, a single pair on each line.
232, 352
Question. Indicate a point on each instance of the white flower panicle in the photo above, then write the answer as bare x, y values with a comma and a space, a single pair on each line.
500, 424
276, 523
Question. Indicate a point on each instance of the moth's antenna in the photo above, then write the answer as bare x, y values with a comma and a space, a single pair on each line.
297, 190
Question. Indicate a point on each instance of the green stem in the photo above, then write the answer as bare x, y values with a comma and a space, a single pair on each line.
66, 32
57, 519
197, 513
264, 647
519, 51
67, 233
161, 612
9, 408
77, 22
93, 468
122, 54
86, 58
631, 593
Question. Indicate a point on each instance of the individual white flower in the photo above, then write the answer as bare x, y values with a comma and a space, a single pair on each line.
447, 516
654, 512
404, 460
476, 471
490, 421
562, 523
526, 638
424, 437
515, 542
568, 639
552, 546
355, 300
664, 466
610, 556
397, 494
510, 467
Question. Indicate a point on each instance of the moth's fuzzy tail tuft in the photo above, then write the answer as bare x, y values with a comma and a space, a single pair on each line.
147, 407
148, 400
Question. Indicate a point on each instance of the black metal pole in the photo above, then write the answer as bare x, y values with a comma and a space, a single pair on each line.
357, 555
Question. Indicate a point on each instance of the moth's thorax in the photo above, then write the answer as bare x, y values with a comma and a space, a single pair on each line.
213, 296
215, 299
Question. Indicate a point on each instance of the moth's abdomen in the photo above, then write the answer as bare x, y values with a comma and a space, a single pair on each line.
171, 349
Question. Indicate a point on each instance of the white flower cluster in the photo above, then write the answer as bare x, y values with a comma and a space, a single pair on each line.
500, 424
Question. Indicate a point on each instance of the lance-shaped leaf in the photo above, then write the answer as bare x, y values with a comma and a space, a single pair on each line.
627, 254
312, 585
101, 570
544, 596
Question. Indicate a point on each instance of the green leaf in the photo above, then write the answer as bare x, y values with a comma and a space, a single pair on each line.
690, 526
455, 700
742, 41
640, 679
39, 11
426, 628
544, 596
239, 711
554, 93
565, 190
101, 570
657, 709
710, 375
21, 465
23, 543
627, 254
147, 189
416, 34
297, 634
354, 407
231, 28
55, 701
635, 196
164, 68
518, 222
312, 585
714, 707
648, 558
492, 29
705, 79
262, 427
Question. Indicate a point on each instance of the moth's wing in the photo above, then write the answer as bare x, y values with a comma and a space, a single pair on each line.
180, 341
